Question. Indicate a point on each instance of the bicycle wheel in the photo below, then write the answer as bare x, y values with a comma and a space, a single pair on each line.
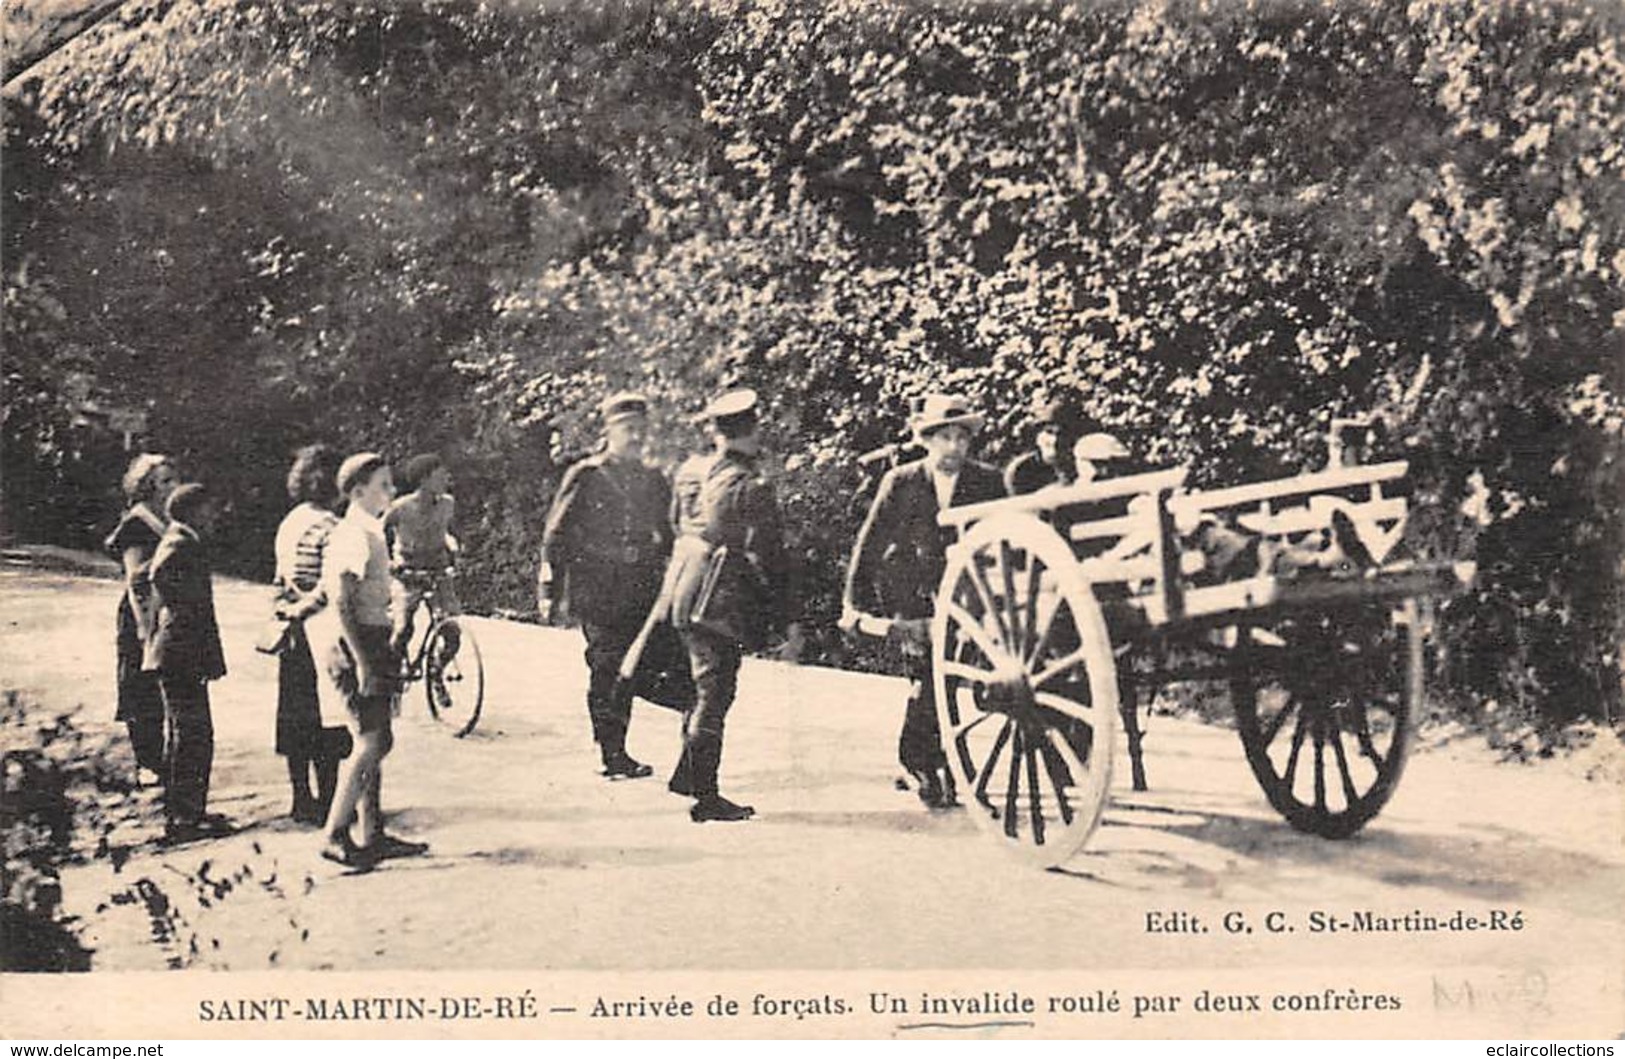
454, 676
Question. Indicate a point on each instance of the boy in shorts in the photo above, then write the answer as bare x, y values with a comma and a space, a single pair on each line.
422, 548
359, 664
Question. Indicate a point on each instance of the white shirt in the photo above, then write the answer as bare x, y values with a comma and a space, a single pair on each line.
945, 487
356, 547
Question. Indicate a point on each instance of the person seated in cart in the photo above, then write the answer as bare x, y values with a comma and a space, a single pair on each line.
1056, 426
422, 548
898, 559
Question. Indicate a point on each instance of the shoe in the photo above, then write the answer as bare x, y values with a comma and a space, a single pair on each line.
928, 787
343, 852
213, 825
716, 807
388, 847
178, 834
145, 777
624, 766
307, 813
950, 790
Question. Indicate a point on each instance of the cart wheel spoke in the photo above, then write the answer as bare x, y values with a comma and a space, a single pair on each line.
1034, 792
1292, 756
1041, 642
1351, 794
962, 730
1029, 624
1012, 786
1062, 665
990, 607
968, 673
1320, 763
1060, 774
1078, 711
1273, 728
986, 772
1013, 607
962, 618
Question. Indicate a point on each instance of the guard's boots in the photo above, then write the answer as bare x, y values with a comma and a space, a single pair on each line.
619, 765
716, 807
928, 785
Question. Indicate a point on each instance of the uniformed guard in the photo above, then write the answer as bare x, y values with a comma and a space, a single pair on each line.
898, 561
606, 542
1057, 425
728, 587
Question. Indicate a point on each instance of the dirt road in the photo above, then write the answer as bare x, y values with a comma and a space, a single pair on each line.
538, 863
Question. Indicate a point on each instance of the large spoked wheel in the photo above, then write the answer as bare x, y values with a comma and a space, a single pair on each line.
454, 675
1026, 687
1325, 709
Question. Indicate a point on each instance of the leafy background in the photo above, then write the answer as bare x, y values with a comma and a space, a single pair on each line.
454, 226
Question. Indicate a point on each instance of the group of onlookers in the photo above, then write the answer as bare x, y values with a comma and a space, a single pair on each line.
334, 638
669, 581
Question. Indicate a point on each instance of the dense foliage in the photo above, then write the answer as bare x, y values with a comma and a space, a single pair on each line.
1219, 224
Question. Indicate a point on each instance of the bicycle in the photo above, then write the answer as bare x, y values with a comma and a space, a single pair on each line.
443, 653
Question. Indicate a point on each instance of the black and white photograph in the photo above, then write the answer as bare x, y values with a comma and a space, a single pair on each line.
919, 519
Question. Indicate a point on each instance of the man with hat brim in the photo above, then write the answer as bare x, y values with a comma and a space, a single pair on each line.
1056, 426
728, 586
604, 546
898, 561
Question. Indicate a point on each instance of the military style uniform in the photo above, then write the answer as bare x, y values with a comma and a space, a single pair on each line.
607, 539
720, 500
897, 562
730, 538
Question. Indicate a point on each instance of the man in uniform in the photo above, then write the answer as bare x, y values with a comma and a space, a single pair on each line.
605, 544
898, 560
728, 586
1050, 461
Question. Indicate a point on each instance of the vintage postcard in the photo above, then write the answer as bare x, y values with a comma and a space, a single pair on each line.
801, 519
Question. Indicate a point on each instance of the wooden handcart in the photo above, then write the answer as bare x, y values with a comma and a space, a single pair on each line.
1059, 610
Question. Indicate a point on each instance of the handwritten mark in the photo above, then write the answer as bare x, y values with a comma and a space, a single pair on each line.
996, 1024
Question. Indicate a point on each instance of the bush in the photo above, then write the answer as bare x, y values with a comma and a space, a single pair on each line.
1218, 225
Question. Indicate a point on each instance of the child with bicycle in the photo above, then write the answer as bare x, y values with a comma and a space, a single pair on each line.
422, 548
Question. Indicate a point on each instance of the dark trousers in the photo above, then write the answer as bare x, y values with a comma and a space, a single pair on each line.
608, 704
715, 662
147, 733
919, 747
188, 747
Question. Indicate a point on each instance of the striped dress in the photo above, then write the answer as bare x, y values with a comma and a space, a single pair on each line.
299, 543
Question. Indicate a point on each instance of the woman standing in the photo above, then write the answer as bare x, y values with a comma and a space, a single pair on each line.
300, 738
147, 485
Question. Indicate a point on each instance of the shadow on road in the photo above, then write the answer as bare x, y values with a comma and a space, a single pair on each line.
1482, 862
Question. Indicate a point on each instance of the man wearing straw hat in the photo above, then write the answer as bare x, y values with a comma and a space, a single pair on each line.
603, 549
899, 558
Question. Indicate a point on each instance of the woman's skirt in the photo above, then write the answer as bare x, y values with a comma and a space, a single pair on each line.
298, 709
